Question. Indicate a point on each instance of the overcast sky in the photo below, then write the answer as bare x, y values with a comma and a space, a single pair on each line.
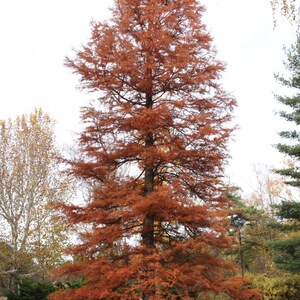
36, 35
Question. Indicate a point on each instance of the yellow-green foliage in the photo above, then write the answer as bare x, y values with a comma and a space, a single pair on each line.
280, 288
213, 296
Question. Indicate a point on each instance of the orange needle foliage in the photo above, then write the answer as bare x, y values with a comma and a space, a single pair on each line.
153, 149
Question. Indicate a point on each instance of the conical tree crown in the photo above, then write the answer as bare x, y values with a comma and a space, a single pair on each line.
153, 150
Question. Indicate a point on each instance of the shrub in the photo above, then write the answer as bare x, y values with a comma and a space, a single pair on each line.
32, 290
279, 288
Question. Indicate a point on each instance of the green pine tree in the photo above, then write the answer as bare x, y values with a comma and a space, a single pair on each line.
287, 250
292, 114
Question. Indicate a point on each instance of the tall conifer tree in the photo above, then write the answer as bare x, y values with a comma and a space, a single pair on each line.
157, 230
292, 114
287, 250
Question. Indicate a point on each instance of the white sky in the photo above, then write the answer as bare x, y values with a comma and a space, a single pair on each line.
36, 35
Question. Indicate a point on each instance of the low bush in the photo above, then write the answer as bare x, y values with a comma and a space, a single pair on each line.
286, 287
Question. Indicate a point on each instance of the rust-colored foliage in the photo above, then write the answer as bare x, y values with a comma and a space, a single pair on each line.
153, 150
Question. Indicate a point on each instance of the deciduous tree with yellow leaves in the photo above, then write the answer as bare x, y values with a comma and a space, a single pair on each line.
32, 237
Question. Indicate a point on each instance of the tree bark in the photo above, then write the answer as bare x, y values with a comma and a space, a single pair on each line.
148, 222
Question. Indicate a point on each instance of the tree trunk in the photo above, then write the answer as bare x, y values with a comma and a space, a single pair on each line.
148, 222
241, 253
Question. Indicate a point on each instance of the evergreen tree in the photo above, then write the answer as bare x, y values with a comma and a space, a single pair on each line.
287, 250
292, 114
253, 229
158, 230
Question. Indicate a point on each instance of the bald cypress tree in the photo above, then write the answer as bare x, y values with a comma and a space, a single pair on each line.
158, 232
